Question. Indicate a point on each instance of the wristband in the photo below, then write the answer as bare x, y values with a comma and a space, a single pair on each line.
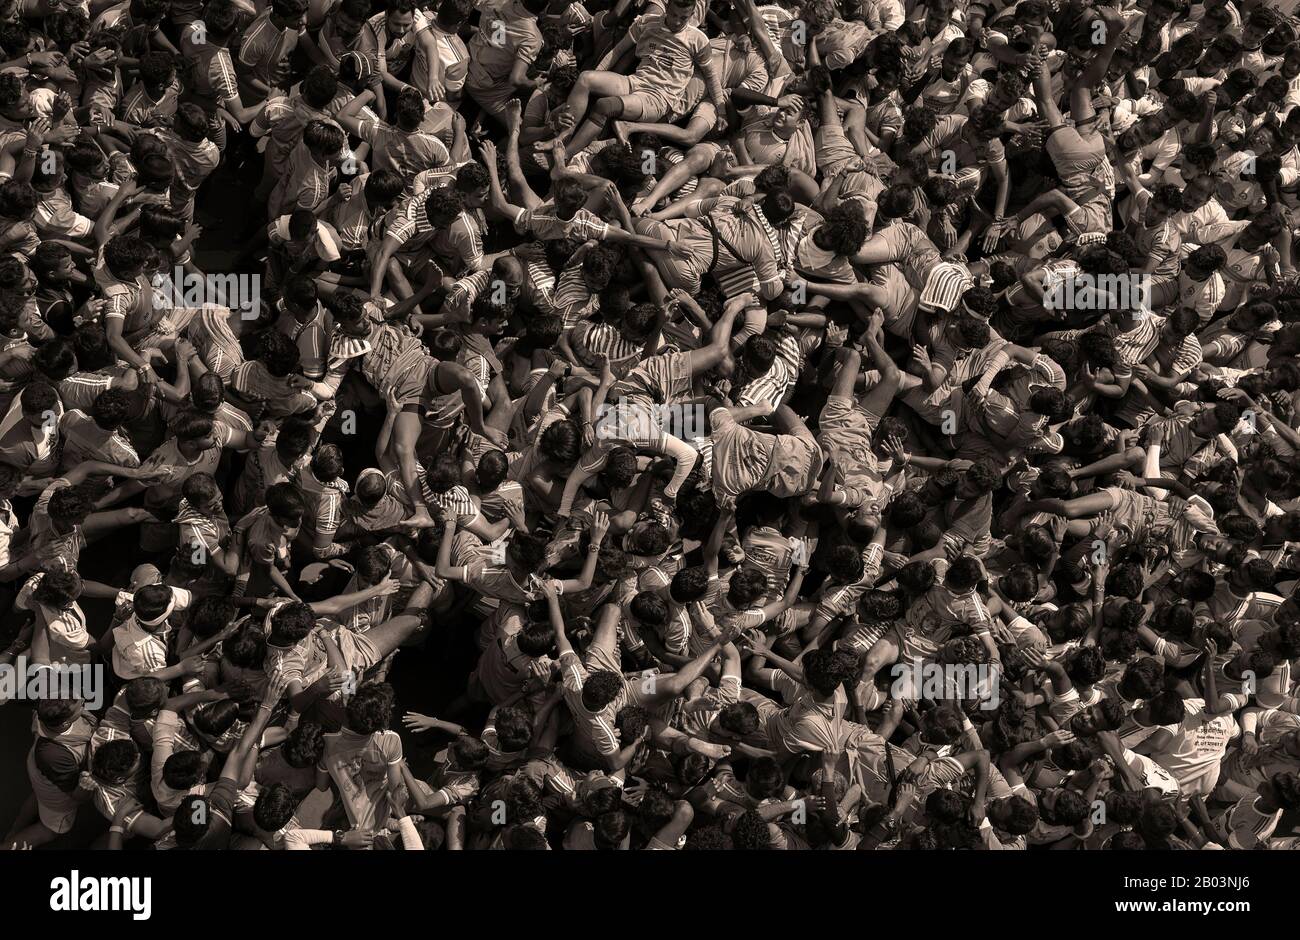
118, 829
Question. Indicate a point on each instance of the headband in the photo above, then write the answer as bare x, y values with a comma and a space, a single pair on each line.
167, 612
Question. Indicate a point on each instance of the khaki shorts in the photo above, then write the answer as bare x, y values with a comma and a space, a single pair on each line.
686, 273
845, 431
492, 98
648, 105
1095, 216
696, 106
796, 464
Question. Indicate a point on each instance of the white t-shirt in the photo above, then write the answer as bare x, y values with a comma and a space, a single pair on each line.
1199, 744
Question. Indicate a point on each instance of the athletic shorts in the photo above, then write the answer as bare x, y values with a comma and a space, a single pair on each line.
845, 431
685, 273
697, 105
1133, 512
796, 464
492, 98
647, 104
410, 387
1095, 216
834, 151
669, 373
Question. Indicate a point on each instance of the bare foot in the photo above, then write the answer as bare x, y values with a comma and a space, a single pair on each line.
420, 519
513, 112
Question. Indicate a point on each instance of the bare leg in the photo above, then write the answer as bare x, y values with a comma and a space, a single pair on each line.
1090, 505
393, 632
1128, 460
855, 119
30, 836
499, 395
593, 128
398, 284
705, 189
697, 161
687, 136
514, 170
406, 433
28, 817
600, 84
670, 739
847, 364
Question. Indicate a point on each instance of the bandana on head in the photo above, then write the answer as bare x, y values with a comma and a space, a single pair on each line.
161, 618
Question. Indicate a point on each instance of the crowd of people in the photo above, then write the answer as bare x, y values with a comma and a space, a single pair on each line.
839, 424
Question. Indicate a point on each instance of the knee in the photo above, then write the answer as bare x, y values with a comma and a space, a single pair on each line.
699, 157
608, 107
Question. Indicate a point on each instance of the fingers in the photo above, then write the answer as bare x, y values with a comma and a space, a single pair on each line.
414, 721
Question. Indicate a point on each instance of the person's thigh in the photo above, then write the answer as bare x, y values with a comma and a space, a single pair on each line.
387, 637
644, 106
608, 84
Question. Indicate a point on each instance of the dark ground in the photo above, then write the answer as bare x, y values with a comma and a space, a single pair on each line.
426, 678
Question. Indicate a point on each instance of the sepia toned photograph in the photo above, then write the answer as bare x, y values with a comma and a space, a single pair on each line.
649, 425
